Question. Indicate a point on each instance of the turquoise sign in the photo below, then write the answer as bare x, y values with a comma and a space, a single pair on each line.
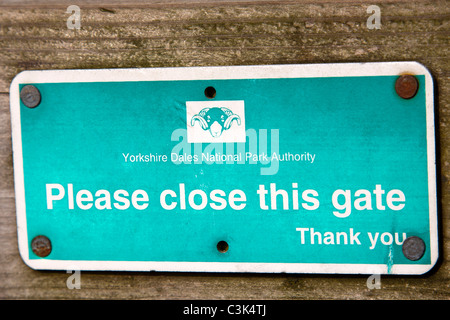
288, 168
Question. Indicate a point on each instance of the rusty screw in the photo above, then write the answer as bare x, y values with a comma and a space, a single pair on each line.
413, 248
41, 246
406, 86
222, 246
30, 96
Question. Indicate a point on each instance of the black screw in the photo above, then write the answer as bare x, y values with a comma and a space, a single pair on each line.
413, 248
41, 246
222, 246
406, 86
30, 96
210, 92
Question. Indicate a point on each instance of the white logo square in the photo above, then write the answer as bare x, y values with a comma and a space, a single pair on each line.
215, 121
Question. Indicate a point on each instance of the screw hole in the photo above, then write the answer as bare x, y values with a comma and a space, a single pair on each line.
222, 246
210, 92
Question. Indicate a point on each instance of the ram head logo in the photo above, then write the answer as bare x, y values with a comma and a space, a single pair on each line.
216, 120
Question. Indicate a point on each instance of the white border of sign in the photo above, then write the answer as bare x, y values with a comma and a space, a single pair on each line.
216, 73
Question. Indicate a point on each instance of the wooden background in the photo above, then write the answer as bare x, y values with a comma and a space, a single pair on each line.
115, 34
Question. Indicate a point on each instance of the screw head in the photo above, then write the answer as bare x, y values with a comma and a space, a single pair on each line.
30, 96
413, 248
41, 246
210, 92
222, 246
406, 86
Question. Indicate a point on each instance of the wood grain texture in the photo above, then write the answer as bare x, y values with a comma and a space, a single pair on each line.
116, 34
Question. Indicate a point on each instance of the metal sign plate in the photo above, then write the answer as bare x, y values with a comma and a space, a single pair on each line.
286, 168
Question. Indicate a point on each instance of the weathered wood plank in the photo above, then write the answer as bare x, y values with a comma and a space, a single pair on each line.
114, 34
